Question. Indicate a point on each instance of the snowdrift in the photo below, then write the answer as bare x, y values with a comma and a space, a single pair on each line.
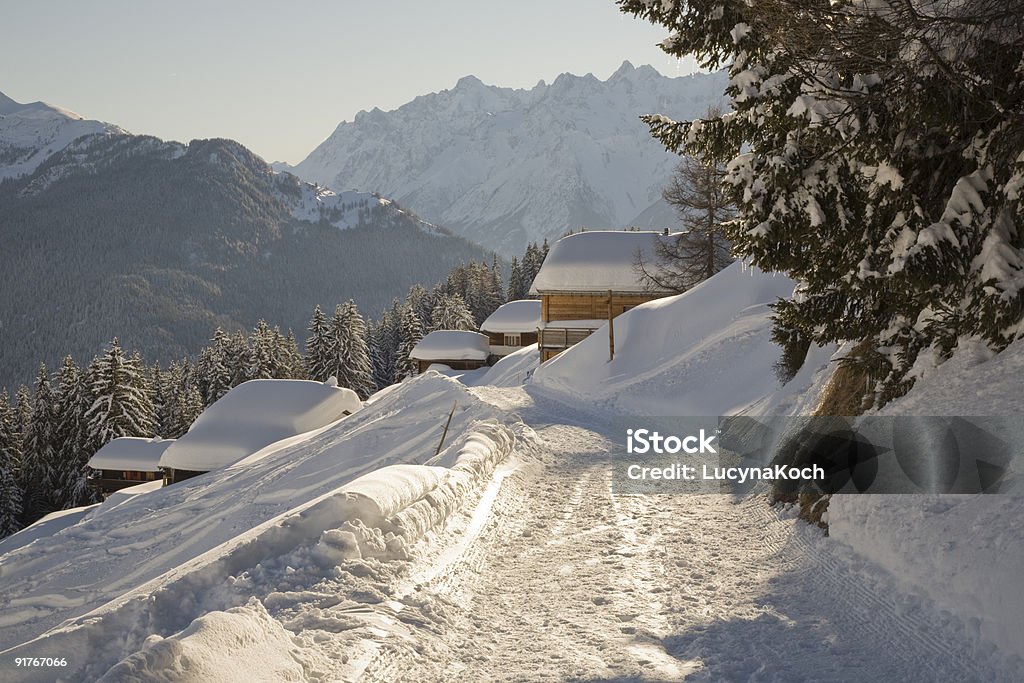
254, 415
705, 352
511, 371
377, 516
155, 562
974, 544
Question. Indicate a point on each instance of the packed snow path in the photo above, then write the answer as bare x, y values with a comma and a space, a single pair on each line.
539, 572
567, 581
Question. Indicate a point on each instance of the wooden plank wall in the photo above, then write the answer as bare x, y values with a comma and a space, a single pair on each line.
588, 306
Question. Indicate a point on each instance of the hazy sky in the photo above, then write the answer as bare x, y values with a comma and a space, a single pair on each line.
279, 76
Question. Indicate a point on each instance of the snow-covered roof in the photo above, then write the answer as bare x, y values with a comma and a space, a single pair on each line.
515, 316
452, 345
596, 261
130, 453
254, 415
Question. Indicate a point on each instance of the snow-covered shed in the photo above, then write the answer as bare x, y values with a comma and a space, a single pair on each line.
252, 416
458, 349
512, 326
589, 277
126, 461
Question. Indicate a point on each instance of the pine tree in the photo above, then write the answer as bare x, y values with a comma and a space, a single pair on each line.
23, 414
40, 469
384, 345
318, 347
517, 287
73, 447
183, 402
121, 404
884, 178
422, 302
409, 334
10, 457
237, 358
262, 351
350, 362
292, 364
213, 373
451, 313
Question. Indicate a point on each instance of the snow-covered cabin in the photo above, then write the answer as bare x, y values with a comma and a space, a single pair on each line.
126, 461
458, 349
512, 326
252, 416
577, 276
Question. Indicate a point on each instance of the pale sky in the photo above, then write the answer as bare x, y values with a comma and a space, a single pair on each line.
280, 76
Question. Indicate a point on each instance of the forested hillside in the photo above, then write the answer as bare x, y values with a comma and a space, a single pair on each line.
159, 243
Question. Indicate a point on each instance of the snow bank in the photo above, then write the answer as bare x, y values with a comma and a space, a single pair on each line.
254, 415
44, 528
452, 345
153, 564
965, 553
705, 352
131, 453
515, 316
242, 644
510, 371
974, 545
596, 261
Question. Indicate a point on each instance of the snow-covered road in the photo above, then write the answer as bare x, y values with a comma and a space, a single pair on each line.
537, 571
567, 581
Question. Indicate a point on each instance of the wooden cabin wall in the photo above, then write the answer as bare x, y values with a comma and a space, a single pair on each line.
589, 306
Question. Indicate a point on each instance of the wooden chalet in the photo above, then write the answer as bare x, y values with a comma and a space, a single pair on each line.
457, 349
511, 327
589, 278
127, 461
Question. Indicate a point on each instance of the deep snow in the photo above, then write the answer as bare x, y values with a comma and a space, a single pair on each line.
353, 552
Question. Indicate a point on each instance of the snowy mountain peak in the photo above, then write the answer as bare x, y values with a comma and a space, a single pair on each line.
7, 104
506, 166
469, 81
32, 133
624, 70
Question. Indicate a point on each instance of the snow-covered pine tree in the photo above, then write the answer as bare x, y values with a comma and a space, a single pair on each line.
121, 404
318, 347
182, 399
495, 291
213, 378
517, 287
237, 356
292, 364
384, 345
73, 447
262, 352
40, 468
409, 334
877, 157
451, 313
351, 359
422, 302
22, 413
10, 457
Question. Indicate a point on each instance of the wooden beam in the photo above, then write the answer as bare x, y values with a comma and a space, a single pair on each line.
611, 330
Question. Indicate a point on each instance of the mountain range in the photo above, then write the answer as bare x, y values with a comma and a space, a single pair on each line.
504, 167
107, 234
